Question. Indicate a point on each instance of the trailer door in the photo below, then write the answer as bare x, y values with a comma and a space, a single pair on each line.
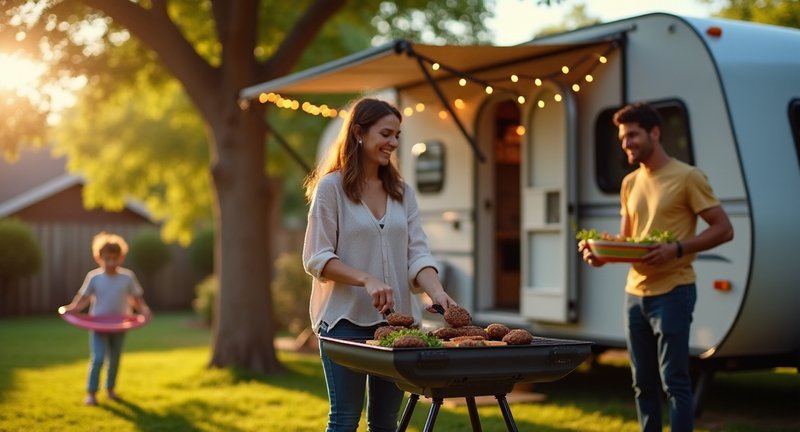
548, 198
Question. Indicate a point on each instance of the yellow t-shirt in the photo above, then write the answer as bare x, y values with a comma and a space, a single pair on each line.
668, 199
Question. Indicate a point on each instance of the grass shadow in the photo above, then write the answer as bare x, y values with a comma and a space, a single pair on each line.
145, 420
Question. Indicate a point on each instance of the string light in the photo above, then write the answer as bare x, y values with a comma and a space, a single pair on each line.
588, 62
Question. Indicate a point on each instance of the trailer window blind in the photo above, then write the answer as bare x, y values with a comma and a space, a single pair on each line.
611, 164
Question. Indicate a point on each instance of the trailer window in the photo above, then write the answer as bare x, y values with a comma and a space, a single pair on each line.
429, 166
611, 164
794, 120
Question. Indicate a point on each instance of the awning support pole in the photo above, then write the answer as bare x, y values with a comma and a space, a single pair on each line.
285, 144
443, 99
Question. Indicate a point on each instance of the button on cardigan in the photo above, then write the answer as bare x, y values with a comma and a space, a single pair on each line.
340, 228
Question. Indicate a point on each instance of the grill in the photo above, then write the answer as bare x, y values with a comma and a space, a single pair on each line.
466, 372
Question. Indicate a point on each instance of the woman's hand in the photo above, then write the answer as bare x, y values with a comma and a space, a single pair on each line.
441, 298
382, 295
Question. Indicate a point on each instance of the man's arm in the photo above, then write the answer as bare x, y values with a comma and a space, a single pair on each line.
719, 231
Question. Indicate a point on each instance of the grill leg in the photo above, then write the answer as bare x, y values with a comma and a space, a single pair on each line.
473, 414
506, 410
436, 403
406, 419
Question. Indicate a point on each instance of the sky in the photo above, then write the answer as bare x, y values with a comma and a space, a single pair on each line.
517, 21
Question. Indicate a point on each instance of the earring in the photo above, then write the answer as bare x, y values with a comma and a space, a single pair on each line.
360, 142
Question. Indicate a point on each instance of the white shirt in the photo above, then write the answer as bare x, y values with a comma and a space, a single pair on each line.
111, 292
340, 228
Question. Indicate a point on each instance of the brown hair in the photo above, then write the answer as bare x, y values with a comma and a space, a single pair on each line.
643, 114
345, 153
110, 243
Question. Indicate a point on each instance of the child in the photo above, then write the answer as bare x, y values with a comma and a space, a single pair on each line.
111, 290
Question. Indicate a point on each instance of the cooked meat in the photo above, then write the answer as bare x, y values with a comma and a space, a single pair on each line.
445, 333
497, 331
472, 331
459, 339
380, 332
398, 319
457, 316
518, 337
409, 341
471, 343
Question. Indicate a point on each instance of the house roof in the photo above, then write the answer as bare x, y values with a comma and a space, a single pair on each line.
36, 175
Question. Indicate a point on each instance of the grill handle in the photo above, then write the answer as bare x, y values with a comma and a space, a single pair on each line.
433, 359
563, 356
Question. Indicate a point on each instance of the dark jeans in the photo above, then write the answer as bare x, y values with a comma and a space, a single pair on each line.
657, 330
346, 388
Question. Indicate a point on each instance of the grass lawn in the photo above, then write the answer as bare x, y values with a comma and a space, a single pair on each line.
165, 386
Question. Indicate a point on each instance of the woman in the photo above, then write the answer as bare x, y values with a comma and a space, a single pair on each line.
367, 252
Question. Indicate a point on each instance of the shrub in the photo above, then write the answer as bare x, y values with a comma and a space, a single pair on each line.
148, 254
291, 290
205, 299
290, 287
201, 251
20, 254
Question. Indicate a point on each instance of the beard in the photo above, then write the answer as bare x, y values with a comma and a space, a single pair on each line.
645, 151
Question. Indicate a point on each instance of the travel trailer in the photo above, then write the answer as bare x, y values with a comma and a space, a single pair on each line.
512, 149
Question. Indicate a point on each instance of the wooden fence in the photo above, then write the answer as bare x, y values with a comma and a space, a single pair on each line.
67, 257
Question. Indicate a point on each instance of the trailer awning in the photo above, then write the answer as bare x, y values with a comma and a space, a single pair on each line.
395, 65
402, 64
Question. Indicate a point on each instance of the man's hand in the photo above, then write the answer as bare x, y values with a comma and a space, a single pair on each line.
588, 256
661, 253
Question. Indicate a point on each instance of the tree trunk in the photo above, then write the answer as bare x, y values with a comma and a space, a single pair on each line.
243, 327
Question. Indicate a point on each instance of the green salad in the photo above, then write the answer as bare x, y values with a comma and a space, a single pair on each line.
388, 340
654, 236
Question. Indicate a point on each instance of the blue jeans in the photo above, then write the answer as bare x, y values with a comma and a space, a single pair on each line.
104, 345
346, 388
657, 330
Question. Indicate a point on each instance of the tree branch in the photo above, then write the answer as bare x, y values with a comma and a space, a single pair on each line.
157, 31
299, 38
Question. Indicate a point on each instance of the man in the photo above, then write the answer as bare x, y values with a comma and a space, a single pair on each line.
660, 292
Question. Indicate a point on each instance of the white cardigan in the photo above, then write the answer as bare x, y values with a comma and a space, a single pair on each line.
339, 228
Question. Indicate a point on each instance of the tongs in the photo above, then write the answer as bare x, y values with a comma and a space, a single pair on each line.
438, 308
